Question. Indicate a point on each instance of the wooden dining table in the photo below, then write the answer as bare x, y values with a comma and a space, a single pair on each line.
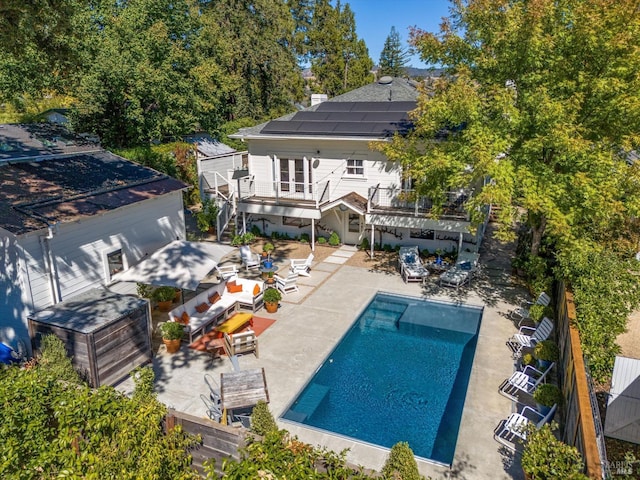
243, 389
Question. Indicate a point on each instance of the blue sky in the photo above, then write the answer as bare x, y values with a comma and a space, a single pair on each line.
374, 19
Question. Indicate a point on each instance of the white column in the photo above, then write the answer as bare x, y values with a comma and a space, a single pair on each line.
373, 227
313, 235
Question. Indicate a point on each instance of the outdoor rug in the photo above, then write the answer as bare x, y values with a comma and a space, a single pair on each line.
260, 324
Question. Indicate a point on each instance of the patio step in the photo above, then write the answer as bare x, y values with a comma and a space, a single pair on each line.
383, 319
307, 403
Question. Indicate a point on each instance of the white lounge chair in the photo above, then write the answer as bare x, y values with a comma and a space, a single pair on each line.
514, 428
455, 277
523, 339
302, 266
411, 267
522, 313
227, 271
249, 259
525, 381
287, 284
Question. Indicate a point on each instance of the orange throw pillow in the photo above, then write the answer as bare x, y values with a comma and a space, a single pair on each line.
256, 289
214, 297
234, 288
231, 284
184, 318
203, 307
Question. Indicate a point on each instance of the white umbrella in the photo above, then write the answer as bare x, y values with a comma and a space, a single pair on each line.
179, 264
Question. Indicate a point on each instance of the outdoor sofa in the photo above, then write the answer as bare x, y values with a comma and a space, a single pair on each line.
216, 304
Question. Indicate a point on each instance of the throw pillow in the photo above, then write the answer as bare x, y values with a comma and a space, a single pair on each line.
256, 289
231, 285
214, 298
203, 307
184, 318
234, 288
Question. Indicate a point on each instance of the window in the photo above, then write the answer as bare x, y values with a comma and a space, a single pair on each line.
354, 222
115, 263
355, 167
424, 234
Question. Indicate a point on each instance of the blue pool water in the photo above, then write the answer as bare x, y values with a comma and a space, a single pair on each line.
399, 374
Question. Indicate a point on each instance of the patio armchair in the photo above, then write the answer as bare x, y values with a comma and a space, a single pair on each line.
525, 381
514, 428
456, 277
522, 313
241, 343
249, 259
227, 271
287, 284
302, 266
524, 339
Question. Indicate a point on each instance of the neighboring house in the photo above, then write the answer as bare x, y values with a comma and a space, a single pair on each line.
71, 216
56, 115
313, 172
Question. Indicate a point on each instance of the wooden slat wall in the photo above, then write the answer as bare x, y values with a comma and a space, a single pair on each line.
579, 427
218, 441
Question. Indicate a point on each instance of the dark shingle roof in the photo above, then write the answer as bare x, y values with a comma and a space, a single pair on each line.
40, 187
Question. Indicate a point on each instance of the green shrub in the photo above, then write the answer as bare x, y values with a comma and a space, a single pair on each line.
143, 290
244, 239
164, 294
207, 217
334, 239
528, 359
545, 457
536, 312
262, 422
365, 245
172, 330
304, 238
387, 248
322, 240
272, 295
546, 350
255, 231
548, 395
55, 361
401, 463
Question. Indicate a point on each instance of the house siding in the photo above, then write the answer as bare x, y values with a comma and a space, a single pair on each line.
78, 250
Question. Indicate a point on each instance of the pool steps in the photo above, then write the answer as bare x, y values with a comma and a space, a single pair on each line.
307, 403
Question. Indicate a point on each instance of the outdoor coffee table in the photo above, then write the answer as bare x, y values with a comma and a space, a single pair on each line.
267, 270
243, 389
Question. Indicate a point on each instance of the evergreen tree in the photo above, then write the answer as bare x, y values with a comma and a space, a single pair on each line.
393, 58
339, 59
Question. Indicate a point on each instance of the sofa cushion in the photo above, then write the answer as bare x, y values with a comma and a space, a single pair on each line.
184, 318
214, 298
234, 288
256, 289
203, 307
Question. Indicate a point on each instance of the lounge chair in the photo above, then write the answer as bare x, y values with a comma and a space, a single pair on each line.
523, 339
522, 313
455, 277
227, 271
302, 266
411, 267
525, 381
287, 284
213, 411
249, 259
514, 428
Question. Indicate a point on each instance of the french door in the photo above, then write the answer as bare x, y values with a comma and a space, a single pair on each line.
296, 177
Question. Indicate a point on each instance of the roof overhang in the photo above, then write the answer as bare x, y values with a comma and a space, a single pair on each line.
257, 136
280, 210
399, 221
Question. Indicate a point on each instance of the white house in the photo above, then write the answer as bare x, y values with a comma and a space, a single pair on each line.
312, 172
71, 216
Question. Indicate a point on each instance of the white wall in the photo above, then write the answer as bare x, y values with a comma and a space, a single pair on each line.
79, 250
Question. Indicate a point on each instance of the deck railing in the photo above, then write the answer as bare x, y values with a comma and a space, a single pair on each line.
402, 199
284, 192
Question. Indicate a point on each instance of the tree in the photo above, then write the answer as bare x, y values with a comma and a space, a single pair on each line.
543, 98
339, 60
393, 58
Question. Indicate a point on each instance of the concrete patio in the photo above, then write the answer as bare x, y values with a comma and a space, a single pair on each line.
309, 324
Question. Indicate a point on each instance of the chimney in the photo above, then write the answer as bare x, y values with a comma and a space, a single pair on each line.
317, 98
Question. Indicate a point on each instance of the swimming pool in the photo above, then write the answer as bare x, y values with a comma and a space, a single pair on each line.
400, 373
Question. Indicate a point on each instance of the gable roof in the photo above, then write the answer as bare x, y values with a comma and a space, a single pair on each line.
43, 183
375, 111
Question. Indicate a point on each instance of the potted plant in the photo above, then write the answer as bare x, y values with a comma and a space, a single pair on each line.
267, 249
143, 290
271, 298
172, 333
207, 217
528, 359
164, 296
546, 396
546, 352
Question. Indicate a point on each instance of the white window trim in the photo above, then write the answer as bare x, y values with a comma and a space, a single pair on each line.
105, 261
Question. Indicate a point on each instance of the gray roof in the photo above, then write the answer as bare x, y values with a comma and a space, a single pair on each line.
207, 145
89, 311
372, 98
64, 180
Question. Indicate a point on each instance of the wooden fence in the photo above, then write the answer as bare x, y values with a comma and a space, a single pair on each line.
218, 441
579, 422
